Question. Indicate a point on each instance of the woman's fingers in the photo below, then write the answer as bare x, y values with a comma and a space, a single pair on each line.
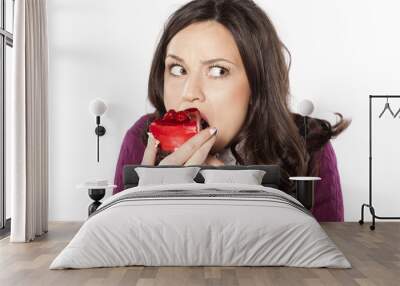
201, 154
149, 156
186, 150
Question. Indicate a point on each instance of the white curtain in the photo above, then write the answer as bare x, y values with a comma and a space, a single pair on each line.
29, 122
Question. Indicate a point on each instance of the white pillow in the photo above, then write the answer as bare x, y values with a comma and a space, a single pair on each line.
249, 177
162, 176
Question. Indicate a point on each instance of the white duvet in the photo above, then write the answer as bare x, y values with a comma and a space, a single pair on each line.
207, 230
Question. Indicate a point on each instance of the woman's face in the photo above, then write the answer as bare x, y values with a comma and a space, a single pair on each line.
203, 69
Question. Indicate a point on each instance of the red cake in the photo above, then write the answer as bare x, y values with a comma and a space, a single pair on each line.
175, 128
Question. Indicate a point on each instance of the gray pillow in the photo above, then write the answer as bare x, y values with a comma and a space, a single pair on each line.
161, 176
248, 177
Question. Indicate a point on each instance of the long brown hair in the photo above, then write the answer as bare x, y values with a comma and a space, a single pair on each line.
271, 131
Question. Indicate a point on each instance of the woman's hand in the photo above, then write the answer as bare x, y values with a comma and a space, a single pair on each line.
193, 152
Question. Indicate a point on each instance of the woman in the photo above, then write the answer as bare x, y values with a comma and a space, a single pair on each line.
225, 58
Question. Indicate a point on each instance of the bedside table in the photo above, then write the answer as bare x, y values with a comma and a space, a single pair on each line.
96, 193
305, 190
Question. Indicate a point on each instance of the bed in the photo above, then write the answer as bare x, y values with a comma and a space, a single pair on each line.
201, 224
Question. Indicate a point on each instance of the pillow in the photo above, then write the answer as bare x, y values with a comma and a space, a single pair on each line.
249, 177
162, 176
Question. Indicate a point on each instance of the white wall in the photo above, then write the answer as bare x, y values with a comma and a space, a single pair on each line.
342, 52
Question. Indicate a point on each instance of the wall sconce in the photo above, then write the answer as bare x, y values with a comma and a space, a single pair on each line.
306, 107
97, 107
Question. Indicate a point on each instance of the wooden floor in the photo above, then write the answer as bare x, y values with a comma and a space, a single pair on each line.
374, 255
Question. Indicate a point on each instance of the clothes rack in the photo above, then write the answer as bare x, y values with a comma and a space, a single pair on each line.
370, 205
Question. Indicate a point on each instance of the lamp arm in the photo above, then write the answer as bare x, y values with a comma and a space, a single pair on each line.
98, 146
98, 138
305, 135
99, 131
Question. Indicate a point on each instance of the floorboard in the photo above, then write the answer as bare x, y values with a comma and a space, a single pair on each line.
374, 255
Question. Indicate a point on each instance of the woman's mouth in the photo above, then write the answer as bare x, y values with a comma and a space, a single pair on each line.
193, 113
203, 123
174, 128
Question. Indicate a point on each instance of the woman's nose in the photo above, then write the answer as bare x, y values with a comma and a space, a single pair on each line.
193, 90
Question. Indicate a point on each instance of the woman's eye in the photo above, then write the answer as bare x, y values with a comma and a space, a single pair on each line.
177, 70
217, 71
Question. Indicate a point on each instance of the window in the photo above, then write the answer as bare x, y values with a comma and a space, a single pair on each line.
6, 44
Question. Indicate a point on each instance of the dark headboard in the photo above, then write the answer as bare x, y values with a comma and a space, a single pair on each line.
271, 178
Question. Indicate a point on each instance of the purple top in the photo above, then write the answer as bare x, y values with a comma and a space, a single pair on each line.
328, 204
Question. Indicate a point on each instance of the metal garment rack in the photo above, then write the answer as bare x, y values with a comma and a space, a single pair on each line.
369, 205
